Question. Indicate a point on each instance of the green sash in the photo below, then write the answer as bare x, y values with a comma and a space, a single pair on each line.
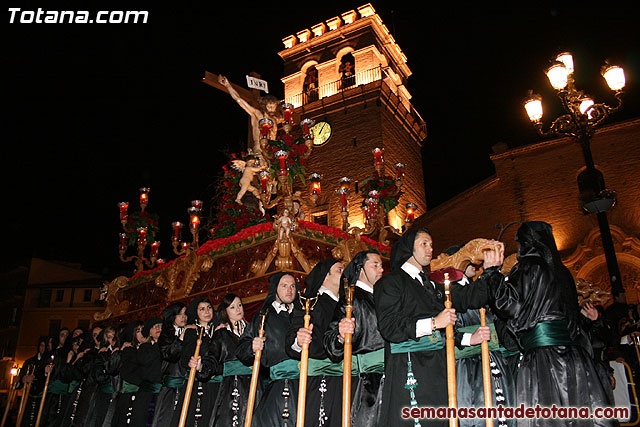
129, 388
73, 385
172, 382
236, 367
325, 366
215, 379
426, 343
106, 388
58, 387
508, 353
287, 369
372, 362
475, 350
150, 387
545, 334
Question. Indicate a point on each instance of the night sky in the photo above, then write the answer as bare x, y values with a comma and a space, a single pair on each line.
95, 111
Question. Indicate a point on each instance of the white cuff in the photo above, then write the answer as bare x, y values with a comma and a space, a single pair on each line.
295, 346
466, 339
626, 340
423, 327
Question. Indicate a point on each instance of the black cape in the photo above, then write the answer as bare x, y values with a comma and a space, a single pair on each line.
539, 289
400, 302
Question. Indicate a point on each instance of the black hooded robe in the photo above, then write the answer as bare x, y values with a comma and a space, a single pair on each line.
173, 373
205, 388
323, 391
278, 403
540, 293
469, 378
231, 404
400, 302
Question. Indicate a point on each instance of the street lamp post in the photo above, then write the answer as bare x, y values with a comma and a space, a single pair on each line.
582, 117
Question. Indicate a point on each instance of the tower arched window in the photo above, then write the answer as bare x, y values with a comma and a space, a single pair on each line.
310, 85
347, 71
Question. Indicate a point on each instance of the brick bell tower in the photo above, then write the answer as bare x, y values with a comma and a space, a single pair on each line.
349, 75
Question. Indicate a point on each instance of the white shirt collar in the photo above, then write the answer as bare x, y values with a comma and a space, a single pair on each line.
243, 325
411, 270
282, 307
327, 291
364, 286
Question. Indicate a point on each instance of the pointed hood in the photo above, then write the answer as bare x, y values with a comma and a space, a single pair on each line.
535, 238
402, 250
316, 277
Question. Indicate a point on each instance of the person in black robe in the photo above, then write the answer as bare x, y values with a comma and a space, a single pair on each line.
149, 361
540, 300
364, 270
82, 406
324, 382
469, 375
36, 366
129, 374
173, 373
58, 389
231, 404
410, 311
278, 403
205, 387
77, 371
106, 384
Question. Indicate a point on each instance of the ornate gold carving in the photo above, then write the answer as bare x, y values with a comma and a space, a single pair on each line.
593, 294
347, 249
588, 263
179, 277
471, 253
283, 250
109, 293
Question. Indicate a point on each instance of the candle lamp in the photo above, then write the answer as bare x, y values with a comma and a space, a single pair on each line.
264, 180
144, 198
282, 155
124, 215
315, 179
123, 243
142, 236
155, 247
306, 127
177, 230
265, 127
287, 112
411, 211
399, 171
378, 160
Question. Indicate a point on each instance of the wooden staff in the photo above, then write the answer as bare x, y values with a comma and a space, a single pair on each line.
451, 355
254, 375
308, 304
44, 394
190, 381
10, 397
25, 396
486, 369
346, 367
